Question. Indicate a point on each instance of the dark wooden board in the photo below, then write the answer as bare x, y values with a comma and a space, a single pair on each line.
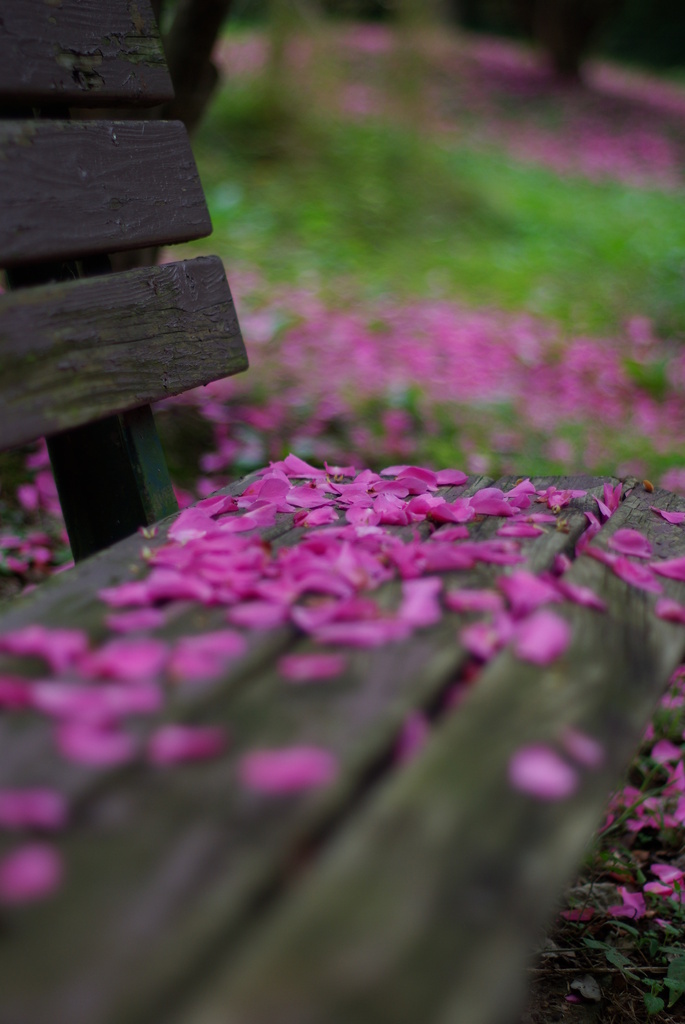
77, 351
427, 906
81, 53
75, 188
177, 863
112, 478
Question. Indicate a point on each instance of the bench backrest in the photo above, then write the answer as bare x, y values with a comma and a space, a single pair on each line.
83, 351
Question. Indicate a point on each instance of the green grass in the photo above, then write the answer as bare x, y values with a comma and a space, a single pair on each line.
359, 209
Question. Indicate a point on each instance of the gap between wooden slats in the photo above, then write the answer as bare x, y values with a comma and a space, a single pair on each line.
73, 189
77, 351
82, 52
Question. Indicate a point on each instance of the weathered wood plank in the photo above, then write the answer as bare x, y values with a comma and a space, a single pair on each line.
427, 906
176, 889
82, 53
74, 188
77, 351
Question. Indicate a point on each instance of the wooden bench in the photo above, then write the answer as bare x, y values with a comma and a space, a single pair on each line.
397, 889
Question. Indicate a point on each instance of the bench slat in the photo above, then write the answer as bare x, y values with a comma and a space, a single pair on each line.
81, 53
77, 351
427, 907
172, 892
75, 188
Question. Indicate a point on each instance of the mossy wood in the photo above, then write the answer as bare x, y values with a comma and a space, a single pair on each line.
185, 900
81, 53
74, 188
77, 351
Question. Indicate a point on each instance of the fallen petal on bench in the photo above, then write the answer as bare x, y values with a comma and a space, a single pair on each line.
305, 668
541, 772
542, 638
32, 808
173, 744
631, 542
58, 647
91, 744
287, 770
30, 872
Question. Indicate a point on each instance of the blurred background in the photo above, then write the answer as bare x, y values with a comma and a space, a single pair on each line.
454, 233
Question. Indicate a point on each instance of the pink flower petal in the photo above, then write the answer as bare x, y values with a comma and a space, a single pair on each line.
449, 533
637, 575
58, 647
288, 770
173, 744
591, 530
667, 873
32, 808
14, 693
31, 872
258, 614
578, 914
317, 517
490, 501
542, 638
171, 585
218, 504
525, 591
125, 659
671, 517
519, 530
90, 744
205, 656
673, 568
631, 542
658, 888
484, 639
420, 605
450, 477
583, 749
370, 633
493, 552
305, 668
540, 772
664, 751
439, 557
98, 705
362, 515
259, 516
418, 479
307, 496
130, 622
669, 610
474, 601
580, 595
190, 524
297, 467
633, 905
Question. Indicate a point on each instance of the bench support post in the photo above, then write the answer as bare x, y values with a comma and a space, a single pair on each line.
111, 478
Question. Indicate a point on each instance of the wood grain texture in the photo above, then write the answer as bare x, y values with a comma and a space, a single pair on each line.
74, 352
427, 906
81, 52
75, 188
167, 867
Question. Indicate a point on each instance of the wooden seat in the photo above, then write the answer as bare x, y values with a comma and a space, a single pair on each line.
394, 891
83, 348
